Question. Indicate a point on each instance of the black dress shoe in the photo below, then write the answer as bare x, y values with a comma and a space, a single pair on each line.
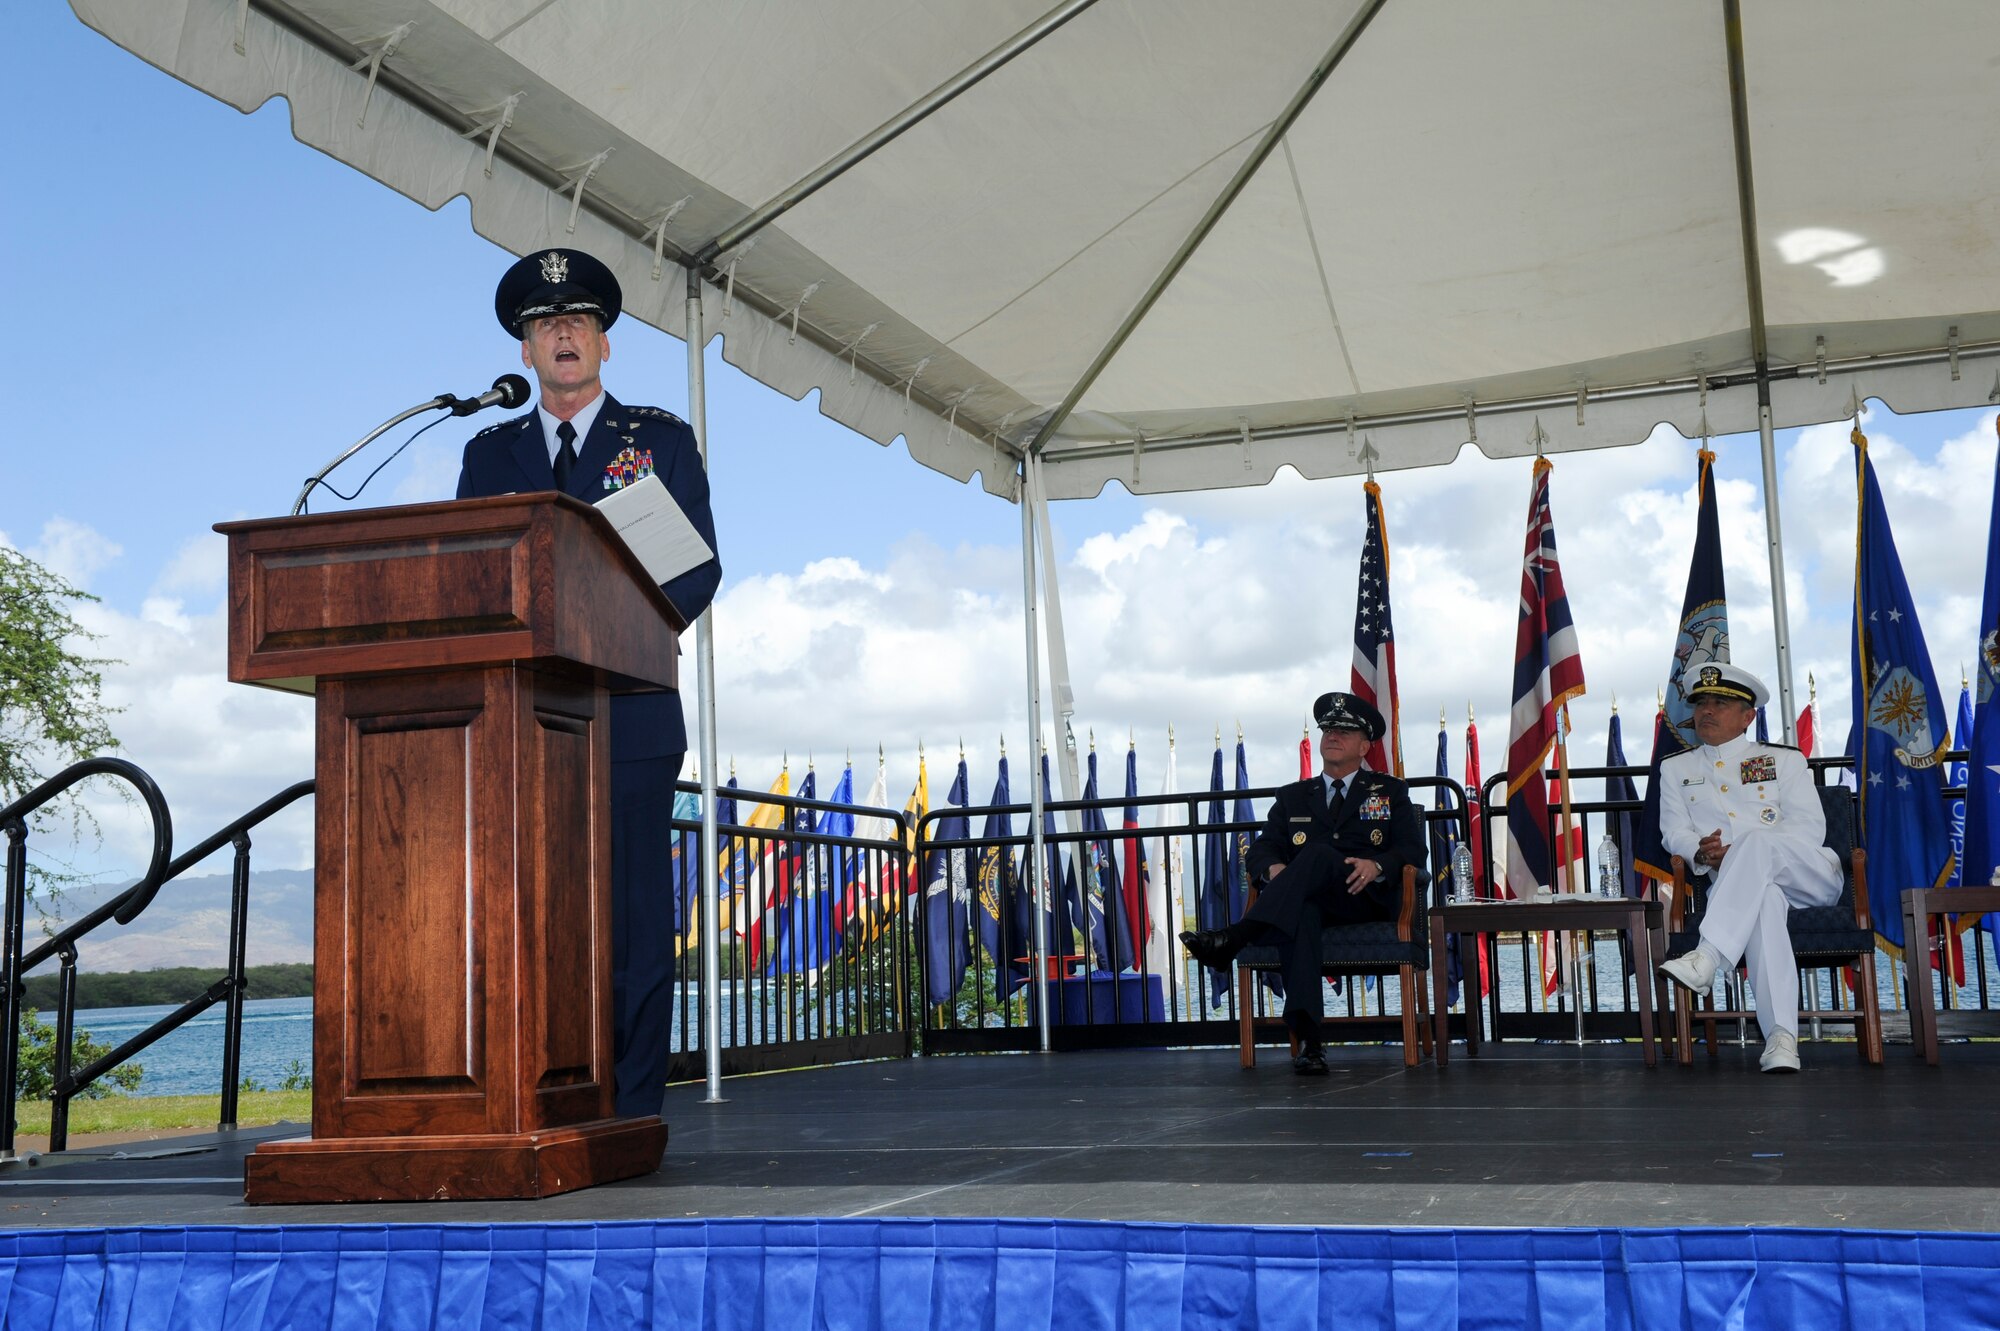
1210, 947
1310, 1063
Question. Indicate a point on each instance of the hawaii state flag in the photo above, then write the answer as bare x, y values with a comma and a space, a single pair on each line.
1899, 721
1374, 674
1548, 672
1703, 639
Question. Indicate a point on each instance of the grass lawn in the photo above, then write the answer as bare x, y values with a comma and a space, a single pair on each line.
166, 1113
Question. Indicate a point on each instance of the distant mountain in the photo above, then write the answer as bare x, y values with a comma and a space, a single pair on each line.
187, 924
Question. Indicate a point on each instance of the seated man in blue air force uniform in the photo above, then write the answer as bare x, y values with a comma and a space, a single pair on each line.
1332, 851
1745, 814
584, 442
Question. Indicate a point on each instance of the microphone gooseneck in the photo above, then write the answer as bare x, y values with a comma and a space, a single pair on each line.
509, 390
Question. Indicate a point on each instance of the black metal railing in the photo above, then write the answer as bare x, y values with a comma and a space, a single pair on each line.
68, 1082
14, 821
1553, 1016
813, 938
1114, 973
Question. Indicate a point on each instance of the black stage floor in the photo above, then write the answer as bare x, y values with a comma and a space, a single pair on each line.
1524, 1135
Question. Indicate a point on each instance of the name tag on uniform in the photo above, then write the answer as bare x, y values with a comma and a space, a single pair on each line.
1301, 820
1764, 767
1694, 780
1375, 807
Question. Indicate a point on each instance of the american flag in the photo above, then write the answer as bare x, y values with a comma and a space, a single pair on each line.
1548, 672
1374, 676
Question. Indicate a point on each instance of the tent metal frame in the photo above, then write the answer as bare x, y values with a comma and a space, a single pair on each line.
1040, 448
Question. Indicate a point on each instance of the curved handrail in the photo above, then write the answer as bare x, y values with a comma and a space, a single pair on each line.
180, 864
156, 806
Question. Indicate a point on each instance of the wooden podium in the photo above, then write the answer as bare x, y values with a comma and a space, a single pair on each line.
462, 655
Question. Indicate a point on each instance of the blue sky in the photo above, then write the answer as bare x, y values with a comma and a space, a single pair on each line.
222, 309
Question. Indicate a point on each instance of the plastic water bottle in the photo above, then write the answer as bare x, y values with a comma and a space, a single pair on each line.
1610, 869
1461, 873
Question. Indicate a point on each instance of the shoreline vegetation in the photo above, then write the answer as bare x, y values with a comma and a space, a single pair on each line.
172, 985
164, 1113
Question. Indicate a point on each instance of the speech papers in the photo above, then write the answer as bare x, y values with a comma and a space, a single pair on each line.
655, 529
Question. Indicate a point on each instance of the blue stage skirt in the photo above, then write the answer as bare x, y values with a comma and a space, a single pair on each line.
990, 1275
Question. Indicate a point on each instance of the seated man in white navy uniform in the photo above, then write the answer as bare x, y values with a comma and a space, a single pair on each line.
1746, 815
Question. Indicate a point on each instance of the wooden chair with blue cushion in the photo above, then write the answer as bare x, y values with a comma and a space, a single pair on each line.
1823, 938
1399, 947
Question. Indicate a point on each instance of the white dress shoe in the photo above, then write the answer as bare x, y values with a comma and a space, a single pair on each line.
1693, 970
1781, 1053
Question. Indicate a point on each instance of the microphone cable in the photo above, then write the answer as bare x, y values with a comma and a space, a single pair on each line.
329, 485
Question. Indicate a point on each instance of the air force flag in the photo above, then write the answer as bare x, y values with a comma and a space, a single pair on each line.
1900, 721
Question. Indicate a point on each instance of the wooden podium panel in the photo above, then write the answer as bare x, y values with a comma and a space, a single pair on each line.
462, 923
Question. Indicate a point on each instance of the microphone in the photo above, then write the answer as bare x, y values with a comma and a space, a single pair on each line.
509, 390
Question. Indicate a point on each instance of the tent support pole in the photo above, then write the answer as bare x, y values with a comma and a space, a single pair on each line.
1753, 285
1063, 697
1774, 536
704, 652
1038, 885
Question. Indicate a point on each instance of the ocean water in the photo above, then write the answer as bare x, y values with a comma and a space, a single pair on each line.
189, 1061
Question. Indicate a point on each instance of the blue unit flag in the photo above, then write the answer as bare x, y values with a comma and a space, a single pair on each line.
1982, 784
1703, 639
1111, 946
1000, 918
1899, 720
947, 895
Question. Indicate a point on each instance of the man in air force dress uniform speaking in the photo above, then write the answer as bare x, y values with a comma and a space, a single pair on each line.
1331, 852
584, 442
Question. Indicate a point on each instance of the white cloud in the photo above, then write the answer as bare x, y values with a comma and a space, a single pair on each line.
1200, 612
72, 551
199, 568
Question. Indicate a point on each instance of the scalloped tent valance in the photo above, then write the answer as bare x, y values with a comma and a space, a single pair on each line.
1182, 245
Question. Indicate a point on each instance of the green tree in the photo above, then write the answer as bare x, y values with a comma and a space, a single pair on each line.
52, 709
38, 1062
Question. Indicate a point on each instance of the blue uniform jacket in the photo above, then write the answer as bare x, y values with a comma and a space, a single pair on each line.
1377, 822
513, 458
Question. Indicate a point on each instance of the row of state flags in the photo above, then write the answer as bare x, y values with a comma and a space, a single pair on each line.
796, 905
1107, 908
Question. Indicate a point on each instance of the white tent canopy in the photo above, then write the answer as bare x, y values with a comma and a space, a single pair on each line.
1180, 245
1422, 222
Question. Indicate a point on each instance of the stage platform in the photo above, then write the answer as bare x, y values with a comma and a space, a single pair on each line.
1525, 1135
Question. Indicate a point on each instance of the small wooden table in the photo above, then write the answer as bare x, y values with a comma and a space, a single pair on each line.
1641, 921
1920, 906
